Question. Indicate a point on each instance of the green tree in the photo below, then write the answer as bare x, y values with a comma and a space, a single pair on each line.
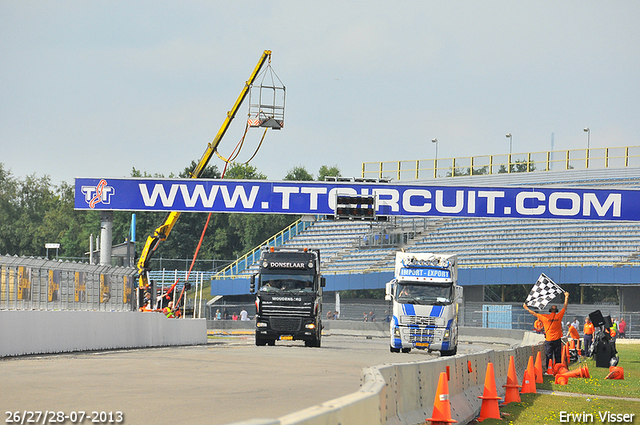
298, 173
67, 226
519, 166
326, 171
481, 171
243, 172
9, 212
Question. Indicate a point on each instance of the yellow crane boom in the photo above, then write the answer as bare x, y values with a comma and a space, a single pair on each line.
162, 232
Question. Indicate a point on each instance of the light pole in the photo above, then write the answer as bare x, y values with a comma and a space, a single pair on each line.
435, 162
588, 131
510, 137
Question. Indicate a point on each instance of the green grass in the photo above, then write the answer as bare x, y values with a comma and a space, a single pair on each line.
537, 409
629, 355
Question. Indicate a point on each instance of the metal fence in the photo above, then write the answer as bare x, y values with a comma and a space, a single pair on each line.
579, 159
473, 314
28, 283
513, 316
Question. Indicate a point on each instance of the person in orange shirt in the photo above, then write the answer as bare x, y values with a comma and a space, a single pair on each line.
575, 339
587, 330
552, 323
538, 326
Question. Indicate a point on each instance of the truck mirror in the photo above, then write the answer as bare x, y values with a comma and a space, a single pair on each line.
252, 285
323, 281
388, 291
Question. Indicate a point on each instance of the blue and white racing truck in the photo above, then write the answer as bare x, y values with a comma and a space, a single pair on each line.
425, 299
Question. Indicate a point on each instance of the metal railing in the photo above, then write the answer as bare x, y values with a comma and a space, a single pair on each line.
41, 284
236, 268
619, 157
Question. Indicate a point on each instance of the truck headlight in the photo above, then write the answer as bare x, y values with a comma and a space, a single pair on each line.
261, 325
310, 326
396, 332
446, 334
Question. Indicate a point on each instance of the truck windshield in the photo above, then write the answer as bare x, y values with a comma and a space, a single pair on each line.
286, 283
425, 294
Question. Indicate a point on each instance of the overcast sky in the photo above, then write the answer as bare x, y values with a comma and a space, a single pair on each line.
94, 88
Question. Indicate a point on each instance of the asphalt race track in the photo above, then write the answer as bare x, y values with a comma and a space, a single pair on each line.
227, 380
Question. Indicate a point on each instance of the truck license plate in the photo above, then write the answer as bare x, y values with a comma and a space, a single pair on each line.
286, 338
422, 344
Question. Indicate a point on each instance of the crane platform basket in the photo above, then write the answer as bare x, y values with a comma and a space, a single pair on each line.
266, 101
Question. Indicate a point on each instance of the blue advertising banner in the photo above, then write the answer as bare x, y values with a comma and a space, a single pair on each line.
284, 197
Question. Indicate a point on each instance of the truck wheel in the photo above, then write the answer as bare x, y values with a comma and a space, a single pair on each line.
406, 350
445, 353
394, 349
261, 342
272, 342
315, 342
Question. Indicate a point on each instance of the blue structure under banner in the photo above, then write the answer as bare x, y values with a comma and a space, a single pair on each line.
477, 276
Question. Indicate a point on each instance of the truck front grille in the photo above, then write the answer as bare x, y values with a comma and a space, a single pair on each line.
285, 310
286, 324
418, 320
420, 335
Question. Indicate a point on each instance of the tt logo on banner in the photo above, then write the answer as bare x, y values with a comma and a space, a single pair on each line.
98, 194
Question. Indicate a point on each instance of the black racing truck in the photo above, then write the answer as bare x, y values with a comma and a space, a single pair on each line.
288, 296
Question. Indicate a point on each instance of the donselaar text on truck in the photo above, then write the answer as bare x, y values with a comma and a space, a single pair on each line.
288, 296
425, 298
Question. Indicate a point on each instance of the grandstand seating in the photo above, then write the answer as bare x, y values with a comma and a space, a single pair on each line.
361, 246
484, 242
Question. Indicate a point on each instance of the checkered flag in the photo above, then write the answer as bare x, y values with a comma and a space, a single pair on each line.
543, 291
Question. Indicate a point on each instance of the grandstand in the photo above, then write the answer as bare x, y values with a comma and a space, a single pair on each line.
360, 246
360, 254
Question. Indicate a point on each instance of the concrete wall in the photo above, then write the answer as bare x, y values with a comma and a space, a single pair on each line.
37, 332
403, 393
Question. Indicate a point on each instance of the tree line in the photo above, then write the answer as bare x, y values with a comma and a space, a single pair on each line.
34, 212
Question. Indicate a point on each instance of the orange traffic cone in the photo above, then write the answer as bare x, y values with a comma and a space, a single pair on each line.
469, 368
567, 359
489, 408
549, 366
561, 380
441, 406
615, 372
512, 392
529, 379
576, 373
538, 368
559, 369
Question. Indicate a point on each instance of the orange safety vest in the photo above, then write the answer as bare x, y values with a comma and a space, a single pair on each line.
588, 329
538, 326
574, 333
552, 324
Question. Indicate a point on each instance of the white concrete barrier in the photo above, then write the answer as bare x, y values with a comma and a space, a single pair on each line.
403, 393
38, 332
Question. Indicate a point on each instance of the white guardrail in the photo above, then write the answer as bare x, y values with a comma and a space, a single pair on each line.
24, 332
403, 393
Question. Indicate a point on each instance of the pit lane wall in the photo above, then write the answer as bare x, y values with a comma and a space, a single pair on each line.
24, 332
403, 393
